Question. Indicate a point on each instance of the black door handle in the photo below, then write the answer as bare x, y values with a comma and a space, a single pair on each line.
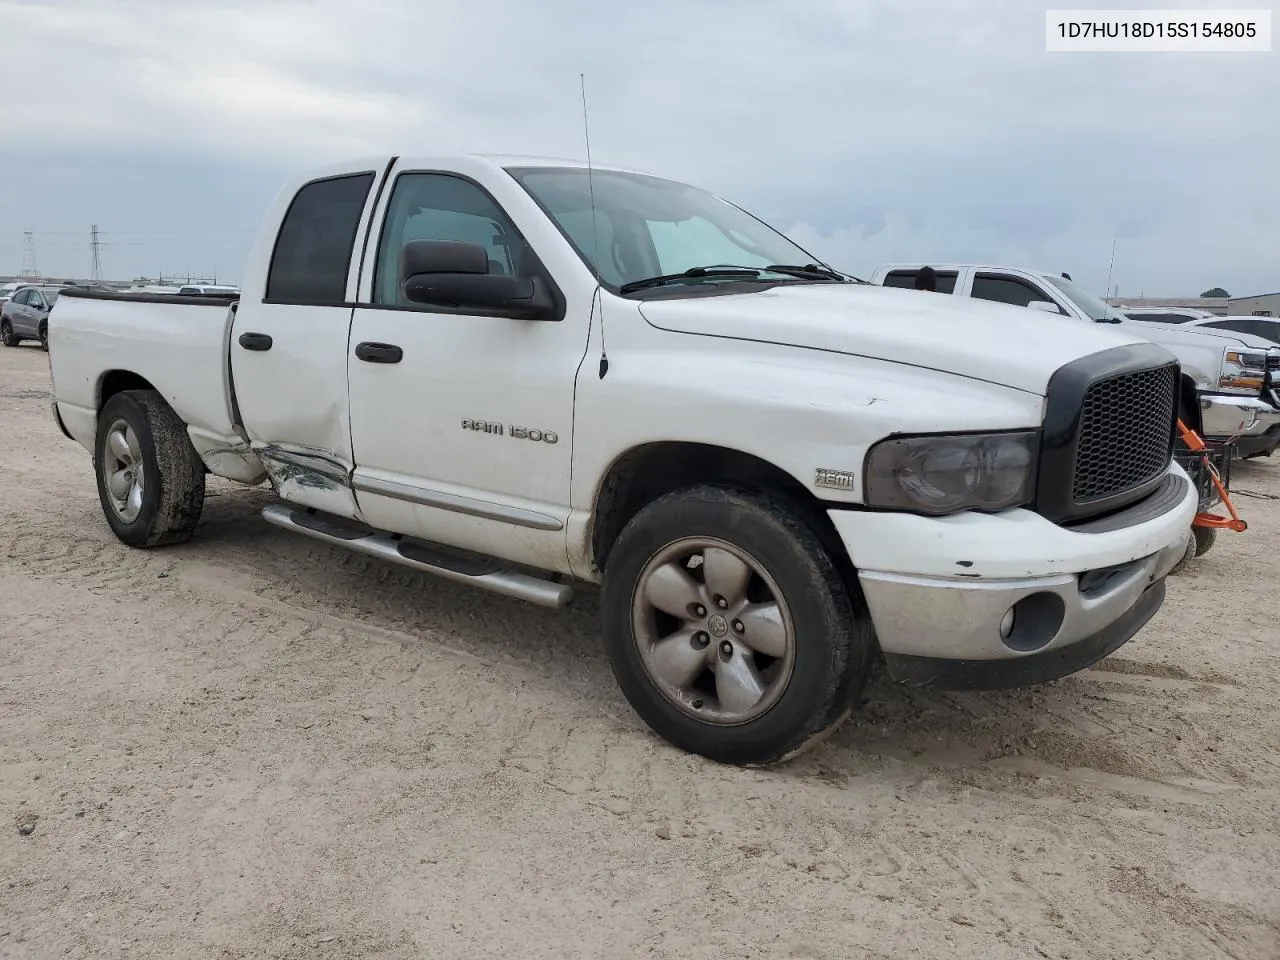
379, 352
255, 341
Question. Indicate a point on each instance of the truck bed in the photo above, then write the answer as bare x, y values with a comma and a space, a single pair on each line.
178, 344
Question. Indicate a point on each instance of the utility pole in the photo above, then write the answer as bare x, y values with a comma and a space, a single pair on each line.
95, 245
29, 269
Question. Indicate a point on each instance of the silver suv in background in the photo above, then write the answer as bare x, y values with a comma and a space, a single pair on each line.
25, 315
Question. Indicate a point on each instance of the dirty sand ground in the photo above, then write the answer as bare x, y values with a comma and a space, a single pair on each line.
254, 746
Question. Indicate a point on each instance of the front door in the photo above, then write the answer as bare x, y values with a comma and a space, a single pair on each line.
289, 348
462, 422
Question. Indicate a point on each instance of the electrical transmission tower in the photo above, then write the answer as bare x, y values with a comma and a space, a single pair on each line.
29, 269
95, 244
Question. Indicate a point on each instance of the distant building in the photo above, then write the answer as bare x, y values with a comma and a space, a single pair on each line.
1263, 305
1220, 306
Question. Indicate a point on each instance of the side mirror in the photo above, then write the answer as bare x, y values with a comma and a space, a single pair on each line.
444, 273
1045, 306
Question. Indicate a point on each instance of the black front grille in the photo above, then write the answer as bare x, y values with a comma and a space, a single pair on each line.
1124, 439
1273, 363
1108, 432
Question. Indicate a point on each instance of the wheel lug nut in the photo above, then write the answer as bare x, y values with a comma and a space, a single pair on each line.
738, 626
701, 640
721, 602
726, 649
700, 610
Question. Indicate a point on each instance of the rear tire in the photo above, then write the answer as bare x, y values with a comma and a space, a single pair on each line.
44, 337
7, 336
780, 650
150, 478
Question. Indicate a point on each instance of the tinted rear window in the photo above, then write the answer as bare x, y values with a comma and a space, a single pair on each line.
313, 250
907, 278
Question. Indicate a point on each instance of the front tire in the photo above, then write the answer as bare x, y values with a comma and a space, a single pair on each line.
1188, 554
730, 628
7, 336
150, 479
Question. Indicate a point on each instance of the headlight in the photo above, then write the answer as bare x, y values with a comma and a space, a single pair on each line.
1243, 372
945, 474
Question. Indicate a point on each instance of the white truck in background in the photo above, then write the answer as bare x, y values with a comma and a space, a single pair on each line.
1231, 371
517, 374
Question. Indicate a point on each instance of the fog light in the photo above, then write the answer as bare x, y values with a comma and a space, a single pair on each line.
1006, 625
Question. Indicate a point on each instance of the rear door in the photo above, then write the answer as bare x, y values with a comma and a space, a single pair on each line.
16, 310
289, 343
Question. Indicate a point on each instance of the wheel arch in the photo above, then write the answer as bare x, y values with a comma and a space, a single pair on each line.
118, 381
646, 472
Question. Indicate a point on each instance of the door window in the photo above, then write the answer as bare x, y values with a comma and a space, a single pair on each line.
1268, 329
35, 300
440, 206
1234, 324
20, 298
907, 279
1006, 290
317, 237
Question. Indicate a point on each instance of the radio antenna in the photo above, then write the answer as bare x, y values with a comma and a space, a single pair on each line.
595, 226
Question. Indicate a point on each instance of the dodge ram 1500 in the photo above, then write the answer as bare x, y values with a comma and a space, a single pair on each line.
519, 373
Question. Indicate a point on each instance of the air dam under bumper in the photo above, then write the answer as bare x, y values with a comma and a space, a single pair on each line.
1008, 616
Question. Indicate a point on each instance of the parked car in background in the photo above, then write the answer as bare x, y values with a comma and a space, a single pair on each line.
207, 290
25, 315
1230, 371
776, 473
7, 290
1165, 314
1268, 328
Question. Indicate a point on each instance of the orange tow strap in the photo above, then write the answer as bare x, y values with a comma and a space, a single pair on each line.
1204, 519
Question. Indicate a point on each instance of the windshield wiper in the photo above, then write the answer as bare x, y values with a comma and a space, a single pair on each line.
728, 271
693, 273
809, 271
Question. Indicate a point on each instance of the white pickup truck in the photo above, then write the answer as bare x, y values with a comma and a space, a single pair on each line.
1232, 372
522, 373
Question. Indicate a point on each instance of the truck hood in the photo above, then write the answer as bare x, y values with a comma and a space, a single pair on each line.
1006, 345
1195, 336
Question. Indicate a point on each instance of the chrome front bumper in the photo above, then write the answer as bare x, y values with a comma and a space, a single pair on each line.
1228, 416
1059, 624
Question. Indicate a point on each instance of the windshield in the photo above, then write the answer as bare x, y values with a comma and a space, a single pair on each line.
647, 226
1093, 308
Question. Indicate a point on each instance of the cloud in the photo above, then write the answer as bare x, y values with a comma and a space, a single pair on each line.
935, 129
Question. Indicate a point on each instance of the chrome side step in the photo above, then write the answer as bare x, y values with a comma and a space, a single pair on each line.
456, 565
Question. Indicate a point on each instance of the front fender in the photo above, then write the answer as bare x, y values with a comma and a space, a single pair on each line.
802, 410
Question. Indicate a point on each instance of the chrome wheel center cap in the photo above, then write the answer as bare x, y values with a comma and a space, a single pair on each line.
718, 625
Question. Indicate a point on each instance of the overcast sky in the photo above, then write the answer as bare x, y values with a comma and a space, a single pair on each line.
869, 130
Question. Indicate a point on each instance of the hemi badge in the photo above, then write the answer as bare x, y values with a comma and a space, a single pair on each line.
835, 479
